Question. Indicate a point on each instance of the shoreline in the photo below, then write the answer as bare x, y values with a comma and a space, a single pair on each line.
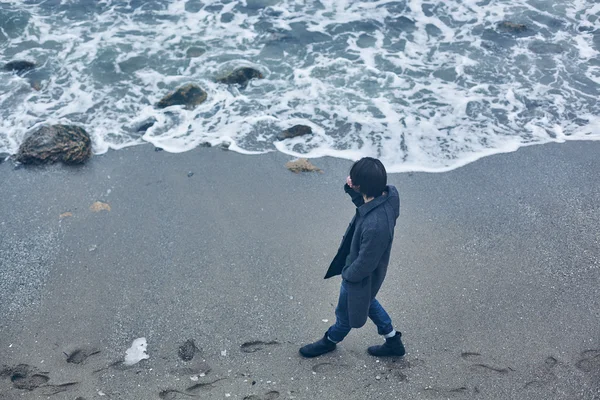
493, 275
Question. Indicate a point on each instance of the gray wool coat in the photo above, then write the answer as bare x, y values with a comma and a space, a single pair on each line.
364, 254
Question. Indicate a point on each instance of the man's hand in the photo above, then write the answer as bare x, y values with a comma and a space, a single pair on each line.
349, 182
354, 192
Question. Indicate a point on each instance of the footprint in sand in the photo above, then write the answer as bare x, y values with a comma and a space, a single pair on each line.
327, 367
253, 347
170, 394
403, 363
483, 367
544, 376
50, 390
204, 385
26, 377
196, 367
78, 356
449, 392
550, 362
589, 361
486, 367
397, 375
468, 355
272, 395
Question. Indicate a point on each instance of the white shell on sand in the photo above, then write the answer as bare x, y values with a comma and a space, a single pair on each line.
136, 352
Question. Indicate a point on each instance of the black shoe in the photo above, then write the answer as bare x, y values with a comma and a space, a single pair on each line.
392, 347
318, 348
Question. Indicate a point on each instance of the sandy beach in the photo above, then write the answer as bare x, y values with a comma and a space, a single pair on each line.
494, 279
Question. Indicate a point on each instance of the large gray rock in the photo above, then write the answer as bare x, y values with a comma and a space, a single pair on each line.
189, 96
49, 144
19, 66
241, 76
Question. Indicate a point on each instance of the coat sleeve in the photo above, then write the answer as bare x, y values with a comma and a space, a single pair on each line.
373, 244
357, 198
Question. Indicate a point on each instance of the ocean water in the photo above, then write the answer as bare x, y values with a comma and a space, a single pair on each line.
423, 85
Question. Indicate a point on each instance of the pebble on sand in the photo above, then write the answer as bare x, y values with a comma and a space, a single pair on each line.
99, 206
302, 165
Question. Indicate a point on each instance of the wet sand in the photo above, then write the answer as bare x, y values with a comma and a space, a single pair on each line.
494, 279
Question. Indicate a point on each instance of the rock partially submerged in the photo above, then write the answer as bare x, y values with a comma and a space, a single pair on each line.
145, 126
241, 76
295, 131
189, 96
302, 165
194, 52
19, 66
512, 27
49, 144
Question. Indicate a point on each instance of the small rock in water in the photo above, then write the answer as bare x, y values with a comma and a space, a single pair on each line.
36, 85
241, 76
189, 96
512, 27
158, 149
302, 165
295, 131
145, 126
225, 145
99, 206
19, 66
190, 174
187, 350
49, 144
541, 47
194, 52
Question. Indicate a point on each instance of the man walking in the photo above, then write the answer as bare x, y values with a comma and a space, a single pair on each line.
362, 260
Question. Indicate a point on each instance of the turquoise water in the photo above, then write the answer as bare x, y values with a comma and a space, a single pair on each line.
424, 85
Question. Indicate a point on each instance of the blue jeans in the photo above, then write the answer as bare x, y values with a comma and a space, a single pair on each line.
341, 328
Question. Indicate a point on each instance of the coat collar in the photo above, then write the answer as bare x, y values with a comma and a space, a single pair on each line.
367, 207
